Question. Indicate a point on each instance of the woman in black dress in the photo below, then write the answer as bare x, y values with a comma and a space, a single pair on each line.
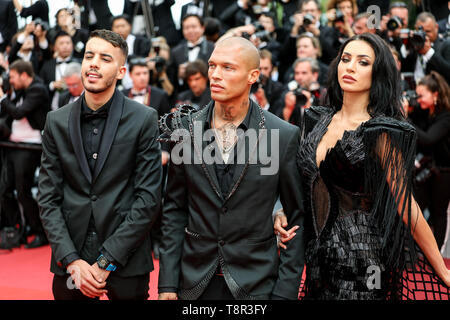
433, 141
356, 159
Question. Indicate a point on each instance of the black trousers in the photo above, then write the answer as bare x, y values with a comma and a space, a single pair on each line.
20, 171
217, 289
119, 288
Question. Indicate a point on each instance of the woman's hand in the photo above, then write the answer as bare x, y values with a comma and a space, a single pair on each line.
279, 224
446, 278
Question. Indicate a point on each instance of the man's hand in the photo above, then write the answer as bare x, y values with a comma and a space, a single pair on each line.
100, 274
168, 296
261, 97
82, 274
59, 85
279, 224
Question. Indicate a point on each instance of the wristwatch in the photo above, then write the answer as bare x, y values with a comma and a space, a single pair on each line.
104, 263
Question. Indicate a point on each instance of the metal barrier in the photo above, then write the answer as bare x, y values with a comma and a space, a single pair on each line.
21, 145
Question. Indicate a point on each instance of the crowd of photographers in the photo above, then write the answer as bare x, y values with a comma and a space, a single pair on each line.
40, 71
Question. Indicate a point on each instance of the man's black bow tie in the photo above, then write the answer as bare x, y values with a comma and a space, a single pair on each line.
95, 115
64, 61
194, 46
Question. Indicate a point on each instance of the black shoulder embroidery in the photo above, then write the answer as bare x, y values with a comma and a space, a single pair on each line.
172, 121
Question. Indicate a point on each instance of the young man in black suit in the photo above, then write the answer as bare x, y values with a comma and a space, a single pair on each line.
218, 239
100, 181
194, 47
144, 93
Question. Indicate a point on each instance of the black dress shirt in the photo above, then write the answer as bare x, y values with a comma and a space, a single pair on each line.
225, 171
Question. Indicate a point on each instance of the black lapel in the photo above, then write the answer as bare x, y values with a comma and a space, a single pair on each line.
201, 116
112, 122
257, 121
77, 141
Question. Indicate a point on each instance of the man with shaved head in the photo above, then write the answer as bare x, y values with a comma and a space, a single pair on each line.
226, 173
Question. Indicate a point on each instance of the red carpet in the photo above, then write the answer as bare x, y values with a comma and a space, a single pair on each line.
25, 275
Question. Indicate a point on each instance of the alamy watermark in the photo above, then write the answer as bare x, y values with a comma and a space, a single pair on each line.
261, 146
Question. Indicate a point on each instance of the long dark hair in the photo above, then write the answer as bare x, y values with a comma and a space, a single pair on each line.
436, 83
385, 92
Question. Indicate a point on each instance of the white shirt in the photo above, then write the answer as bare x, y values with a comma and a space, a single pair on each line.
421, 64
21, 130
193, 53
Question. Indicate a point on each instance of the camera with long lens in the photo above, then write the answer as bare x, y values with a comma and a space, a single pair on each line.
260, 83
160, 63
4, 82
264, 36
411, 96
394, 23
308, 19
416, 39
258, 26
297, 90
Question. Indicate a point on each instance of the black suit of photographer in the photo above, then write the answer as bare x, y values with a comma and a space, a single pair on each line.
20, 164
439, 62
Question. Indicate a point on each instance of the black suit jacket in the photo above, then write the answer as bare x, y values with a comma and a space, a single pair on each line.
36, 104
64, 98
141, 47
8, 22
180, 53
439, 62
122, 193
48, 73
203, 229
159, 100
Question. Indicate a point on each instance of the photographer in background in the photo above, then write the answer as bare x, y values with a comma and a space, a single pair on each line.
433, 143
266, 91
425, 51
307, 20
27, 110
160, 70
32, 45
65, 21
266, 34
340, 14
308, 47
302, 92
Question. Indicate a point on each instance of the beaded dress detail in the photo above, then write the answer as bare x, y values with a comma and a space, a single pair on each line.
358, 248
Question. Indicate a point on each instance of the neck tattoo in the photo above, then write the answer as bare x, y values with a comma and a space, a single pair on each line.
226, 137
